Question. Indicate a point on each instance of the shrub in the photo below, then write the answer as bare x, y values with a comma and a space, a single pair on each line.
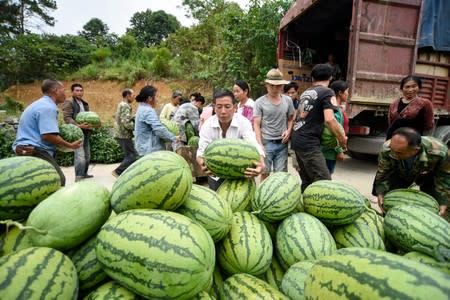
12, 107
7, 138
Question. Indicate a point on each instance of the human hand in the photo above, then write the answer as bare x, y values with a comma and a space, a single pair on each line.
340, 156
253, 172
442, 210
84, 126
201, 162
177, 139
76, 144
343, 141
381, 203
285, 136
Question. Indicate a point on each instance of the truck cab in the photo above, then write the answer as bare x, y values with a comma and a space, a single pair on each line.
376, 44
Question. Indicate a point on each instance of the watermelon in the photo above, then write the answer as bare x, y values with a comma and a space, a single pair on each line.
111, 290
37, 273
88, 117
90, 271
413, 228
276, 197
302, 237
171, 126
293, 283
193, 141
333, 203
245, 286
24, 182
216, 283
428, 260
203, 296
362, 273
209, 210
69, 216
328, 139
157, 254
370, 218
247, 248
190, 131
161, 179
14, 240
237, 192
410, 197
228, 158
357, 234
70, 133
274, 274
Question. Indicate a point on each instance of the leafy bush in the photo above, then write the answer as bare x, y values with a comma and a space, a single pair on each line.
100, 55
7, 138
89, 72
12, 107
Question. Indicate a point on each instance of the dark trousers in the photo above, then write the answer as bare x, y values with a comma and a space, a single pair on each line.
214, 184
47, 157
312, 167
129, 152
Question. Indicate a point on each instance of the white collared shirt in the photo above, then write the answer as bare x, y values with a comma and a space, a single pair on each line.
240, 128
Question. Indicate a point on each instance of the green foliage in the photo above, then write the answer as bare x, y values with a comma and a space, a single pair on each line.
150, 28
104, 148
95, 31
7, 138
12, 107
161, 62
126, 46
100, 55
89, 72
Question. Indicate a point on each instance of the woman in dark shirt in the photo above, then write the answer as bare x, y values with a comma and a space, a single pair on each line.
410, 110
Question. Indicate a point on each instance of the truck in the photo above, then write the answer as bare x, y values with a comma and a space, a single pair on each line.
376, 43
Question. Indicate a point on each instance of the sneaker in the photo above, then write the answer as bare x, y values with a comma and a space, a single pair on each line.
88, 176
114, 174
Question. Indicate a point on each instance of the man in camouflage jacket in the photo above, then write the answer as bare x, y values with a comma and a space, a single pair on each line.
123, 131
408, 158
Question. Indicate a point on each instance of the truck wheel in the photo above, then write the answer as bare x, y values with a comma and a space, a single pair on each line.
443, 133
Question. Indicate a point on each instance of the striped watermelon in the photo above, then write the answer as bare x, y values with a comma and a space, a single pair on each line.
370, 218
228, 158
203, 296
274, 274
190, 131
410, 197
24, 182
412, 228
90, 271
111, 290
193, 141
302, 237
237, 192
88, 117
333, 203
357, 234
161, 179
217, 281
157, 254
37, 273
247, 248
293, 283
428, 260
70, 216
209, 210
171, 126
245, 286
276, 197
361, 273
14, 240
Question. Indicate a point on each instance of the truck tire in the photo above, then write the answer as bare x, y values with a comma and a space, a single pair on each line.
443, 133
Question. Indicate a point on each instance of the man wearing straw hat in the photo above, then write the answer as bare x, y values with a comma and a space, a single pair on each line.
273, 118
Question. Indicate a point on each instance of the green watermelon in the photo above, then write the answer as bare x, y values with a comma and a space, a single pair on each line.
413, 228
193, 141
14, 240
293, 283
69, 216
302, 237
276, 197
228, 158
171, 126
190, 131
333, 203
357, 234
157, 254
410, 197
209, 210
274, 274
37, 273
24, 182
245, 286
370, 218
237, 192
362, 273
111, 291
428, 260
88, 117
247, 248
70, 133
161, 179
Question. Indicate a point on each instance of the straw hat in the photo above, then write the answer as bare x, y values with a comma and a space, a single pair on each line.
275, 77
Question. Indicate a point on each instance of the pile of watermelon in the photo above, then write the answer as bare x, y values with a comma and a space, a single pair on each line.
156, 235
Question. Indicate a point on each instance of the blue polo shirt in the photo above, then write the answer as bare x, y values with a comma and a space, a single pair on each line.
40, 117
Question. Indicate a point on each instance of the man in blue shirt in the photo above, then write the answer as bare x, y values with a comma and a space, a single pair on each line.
38, 132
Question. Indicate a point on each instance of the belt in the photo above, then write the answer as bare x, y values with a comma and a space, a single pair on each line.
25, 150
280, 141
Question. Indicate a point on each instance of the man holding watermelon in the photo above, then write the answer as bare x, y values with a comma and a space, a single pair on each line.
408, 158
71, 108
38, 132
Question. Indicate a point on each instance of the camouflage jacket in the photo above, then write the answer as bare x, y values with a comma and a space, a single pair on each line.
432, 160
124, 122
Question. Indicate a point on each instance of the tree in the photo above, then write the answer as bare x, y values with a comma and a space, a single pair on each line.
20, 15
150, 28
95, 31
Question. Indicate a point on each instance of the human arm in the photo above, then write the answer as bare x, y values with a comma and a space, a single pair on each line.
333, 125
257, 128
59, 141
67, 110
442, 183
287, 134
385, 170
151, 118
257, 170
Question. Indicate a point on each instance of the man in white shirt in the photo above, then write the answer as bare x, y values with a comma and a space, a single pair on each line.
227, 124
